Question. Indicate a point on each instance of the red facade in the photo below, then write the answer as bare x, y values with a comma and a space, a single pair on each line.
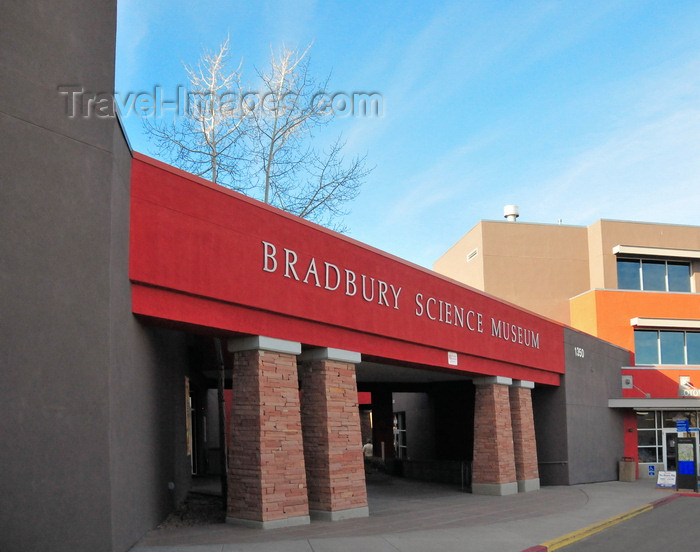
209, 258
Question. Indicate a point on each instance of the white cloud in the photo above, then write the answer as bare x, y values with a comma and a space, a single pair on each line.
648, 171
450, 180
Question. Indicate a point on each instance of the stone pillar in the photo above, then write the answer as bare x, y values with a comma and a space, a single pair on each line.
524, 442
493, 469
332, 437
266, 472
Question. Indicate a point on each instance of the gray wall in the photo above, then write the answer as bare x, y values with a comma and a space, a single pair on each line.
549, 409
595, 439
580, 439
91, 399
420, 424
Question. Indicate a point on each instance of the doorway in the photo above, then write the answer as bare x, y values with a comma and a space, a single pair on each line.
400, 441
670, 446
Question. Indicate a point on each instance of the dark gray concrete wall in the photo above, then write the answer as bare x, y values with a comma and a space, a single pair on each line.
147, 430
595, 431
55, 180
551, 432
420, 424
147, 369
580, 439
93, 401
55, 342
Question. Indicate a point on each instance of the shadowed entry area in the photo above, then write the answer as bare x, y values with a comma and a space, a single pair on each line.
419, 422
422, 422
420, 425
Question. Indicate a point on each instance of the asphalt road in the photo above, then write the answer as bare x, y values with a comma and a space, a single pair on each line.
670, 527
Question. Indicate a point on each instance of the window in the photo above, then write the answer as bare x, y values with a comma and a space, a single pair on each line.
653, 275
692, 346
672, 347
649, 437
678, 276
667, 347
646, 348
628, 274
650, 426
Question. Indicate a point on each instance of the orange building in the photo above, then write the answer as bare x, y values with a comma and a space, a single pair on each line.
636, 285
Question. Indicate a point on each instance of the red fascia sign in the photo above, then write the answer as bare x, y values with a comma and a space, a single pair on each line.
205, 256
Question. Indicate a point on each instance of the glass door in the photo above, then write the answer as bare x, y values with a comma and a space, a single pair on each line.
400, 444
670, 442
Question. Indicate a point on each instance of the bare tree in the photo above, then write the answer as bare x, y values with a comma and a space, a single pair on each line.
261, 142
207, 139
298, 178
331, 183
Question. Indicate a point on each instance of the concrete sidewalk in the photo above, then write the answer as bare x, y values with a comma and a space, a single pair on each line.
411, 516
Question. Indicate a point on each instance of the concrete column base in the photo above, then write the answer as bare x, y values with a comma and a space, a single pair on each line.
495, 489
339, 515
270, 524
527, 485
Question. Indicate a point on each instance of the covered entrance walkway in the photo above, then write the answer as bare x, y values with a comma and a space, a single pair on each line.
301, 310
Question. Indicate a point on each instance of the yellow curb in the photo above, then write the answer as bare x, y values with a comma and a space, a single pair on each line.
561, 542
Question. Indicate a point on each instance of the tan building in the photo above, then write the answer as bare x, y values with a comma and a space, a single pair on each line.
542, 267
536, 266
633, 284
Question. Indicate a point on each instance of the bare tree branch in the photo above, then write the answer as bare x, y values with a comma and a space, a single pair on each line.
262, 147
207, 139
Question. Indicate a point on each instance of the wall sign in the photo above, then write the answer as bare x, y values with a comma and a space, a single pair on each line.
352, 283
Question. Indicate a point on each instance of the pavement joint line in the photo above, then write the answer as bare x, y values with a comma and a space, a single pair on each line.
575, 536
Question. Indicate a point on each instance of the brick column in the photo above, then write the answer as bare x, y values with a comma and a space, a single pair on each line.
266, 473
332, 437
493, 469
524, 441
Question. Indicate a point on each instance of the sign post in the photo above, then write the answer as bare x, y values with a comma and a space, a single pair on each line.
687, 464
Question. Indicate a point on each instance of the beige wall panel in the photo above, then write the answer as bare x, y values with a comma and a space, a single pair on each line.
454, 262
536, 266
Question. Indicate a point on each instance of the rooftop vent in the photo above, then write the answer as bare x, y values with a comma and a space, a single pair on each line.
511, 212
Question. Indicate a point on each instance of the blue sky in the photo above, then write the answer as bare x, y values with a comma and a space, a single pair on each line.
572, 110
